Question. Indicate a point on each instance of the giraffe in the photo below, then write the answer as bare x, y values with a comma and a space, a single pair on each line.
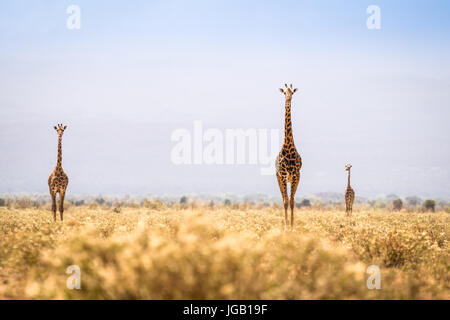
349, 193
58, 180
288, 162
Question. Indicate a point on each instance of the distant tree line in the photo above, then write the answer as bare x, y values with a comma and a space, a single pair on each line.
409, 204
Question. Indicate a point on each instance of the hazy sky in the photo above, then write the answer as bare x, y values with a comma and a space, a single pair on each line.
136, 71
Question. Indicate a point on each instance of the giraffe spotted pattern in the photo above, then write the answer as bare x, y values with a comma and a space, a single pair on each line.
288, 162
58, 180
349, 193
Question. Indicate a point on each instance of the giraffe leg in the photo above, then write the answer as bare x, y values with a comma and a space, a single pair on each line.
349, 200
283, 189
294, 185
53, 194
62, 193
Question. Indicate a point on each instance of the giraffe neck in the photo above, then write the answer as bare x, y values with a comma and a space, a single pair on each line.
288, 136
348, 182
59, 161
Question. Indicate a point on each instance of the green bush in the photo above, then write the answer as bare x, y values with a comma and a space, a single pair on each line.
304, 203
397, 204
184, 200
100, 201
429, 205
413, 201
79, 203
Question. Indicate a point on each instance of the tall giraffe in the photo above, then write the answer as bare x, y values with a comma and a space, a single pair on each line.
58, 180
288, 162
349, 193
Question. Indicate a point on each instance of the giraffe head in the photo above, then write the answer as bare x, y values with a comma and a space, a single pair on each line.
288, 91
60, 129
347, 167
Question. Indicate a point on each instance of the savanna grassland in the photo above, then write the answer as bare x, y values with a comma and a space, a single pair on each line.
222, 253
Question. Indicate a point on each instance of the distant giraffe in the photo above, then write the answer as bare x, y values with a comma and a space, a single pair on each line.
349, 193
58, 181
288, 162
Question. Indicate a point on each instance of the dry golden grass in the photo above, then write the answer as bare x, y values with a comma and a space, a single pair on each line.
204, 253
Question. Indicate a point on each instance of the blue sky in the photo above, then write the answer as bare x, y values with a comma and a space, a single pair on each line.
221, 23
137, 70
